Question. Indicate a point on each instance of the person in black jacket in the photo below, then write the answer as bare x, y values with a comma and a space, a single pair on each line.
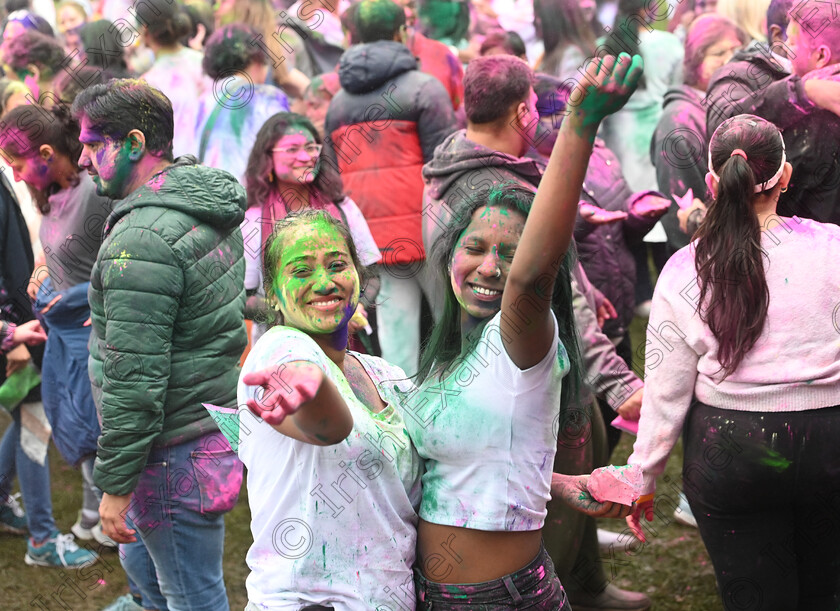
802, 98
678, 148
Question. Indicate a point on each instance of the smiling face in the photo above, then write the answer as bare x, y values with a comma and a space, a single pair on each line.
316, 281
292, 163
106, 160
481, 260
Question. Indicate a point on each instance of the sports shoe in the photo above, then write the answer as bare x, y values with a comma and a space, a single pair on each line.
12, 517
124, 603
683, 513
610, 599
59, 551
94, 533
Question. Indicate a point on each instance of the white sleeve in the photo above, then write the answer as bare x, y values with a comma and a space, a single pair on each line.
252, 237
365, 244
670, 377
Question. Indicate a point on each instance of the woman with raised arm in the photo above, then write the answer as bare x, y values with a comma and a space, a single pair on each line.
743, 358
333, 480
485, 416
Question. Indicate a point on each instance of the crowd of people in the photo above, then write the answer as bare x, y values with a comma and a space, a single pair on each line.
379, 260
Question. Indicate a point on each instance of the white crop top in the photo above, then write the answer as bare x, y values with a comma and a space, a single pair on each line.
488, 435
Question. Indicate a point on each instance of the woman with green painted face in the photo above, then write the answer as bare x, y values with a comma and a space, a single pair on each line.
485, 415
333, 480
287, 173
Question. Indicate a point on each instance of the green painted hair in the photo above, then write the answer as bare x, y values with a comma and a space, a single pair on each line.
274, 249
444, 343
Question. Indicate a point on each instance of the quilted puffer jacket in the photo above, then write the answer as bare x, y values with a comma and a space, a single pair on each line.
167, 299
382, 126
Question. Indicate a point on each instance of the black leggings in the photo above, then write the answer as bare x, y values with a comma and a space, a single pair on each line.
765, 490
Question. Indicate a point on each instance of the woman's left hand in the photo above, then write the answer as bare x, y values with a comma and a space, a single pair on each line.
573, 491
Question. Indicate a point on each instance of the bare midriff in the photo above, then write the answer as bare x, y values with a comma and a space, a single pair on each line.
449, 554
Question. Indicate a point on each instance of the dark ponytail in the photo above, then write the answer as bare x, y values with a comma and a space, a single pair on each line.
729, 258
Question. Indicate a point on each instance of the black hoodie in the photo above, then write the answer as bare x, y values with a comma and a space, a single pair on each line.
678, 150
755, 82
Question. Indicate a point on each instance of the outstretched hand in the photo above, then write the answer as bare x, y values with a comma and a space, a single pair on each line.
285, 388
573, 491
594, 215
609, 83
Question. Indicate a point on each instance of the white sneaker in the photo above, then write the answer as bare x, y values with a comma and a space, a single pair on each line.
642, 310
608, 539
94, 533
683, 513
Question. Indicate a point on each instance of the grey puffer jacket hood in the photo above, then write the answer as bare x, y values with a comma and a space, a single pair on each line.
366, 67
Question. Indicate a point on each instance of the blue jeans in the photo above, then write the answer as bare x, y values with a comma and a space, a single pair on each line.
34, 481
535, 587
178, 512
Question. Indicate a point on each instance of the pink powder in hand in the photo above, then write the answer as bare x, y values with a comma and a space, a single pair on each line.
621, 485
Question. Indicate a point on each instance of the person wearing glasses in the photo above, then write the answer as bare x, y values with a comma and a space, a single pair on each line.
285, 174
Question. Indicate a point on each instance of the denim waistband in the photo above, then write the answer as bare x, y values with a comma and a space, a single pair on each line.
502, 589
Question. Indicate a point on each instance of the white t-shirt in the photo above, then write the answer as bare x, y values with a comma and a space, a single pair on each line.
488, 434
333, 525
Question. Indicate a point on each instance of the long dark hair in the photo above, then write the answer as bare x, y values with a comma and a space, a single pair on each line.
729, 259
261, 161
24, 131
444, 343
562, 24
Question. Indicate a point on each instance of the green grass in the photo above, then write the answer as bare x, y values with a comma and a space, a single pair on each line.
673, 568
82, 590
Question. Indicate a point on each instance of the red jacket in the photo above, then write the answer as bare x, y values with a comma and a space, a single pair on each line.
381, 128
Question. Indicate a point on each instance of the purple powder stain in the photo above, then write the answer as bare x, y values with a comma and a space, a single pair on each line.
157, 182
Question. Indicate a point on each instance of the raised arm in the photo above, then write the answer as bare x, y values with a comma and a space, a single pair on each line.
526, 314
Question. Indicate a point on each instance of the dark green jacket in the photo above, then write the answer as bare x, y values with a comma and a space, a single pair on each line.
167, 303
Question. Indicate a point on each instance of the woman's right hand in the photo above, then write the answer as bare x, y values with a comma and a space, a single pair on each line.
285, 390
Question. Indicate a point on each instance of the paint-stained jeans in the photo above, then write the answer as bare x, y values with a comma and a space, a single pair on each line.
765, 490
178, 511
534, 587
